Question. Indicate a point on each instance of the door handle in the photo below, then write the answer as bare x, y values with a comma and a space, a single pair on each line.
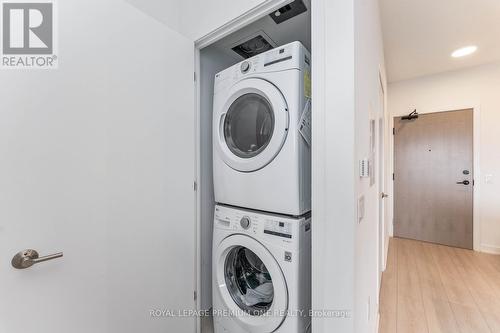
465, 182
384, 195
28, 258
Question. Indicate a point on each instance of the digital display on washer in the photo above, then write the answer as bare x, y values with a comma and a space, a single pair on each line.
278, 228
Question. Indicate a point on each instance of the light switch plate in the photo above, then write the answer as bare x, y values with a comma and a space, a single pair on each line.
364, 168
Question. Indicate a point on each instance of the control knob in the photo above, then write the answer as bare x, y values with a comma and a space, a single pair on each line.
245, 66
245, 222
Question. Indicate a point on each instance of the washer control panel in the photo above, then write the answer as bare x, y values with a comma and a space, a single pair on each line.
238, 220
245, 222
266, 225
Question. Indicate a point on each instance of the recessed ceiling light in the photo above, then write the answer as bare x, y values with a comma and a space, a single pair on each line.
464, 51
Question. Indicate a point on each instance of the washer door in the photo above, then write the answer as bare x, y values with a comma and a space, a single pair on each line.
253, 125
251, 284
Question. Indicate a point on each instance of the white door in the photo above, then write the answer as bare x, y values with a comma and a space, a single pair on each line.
97, 162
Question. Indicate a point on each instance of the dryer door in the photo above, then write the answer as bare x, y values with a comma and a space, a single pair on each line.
251, 284
253, 125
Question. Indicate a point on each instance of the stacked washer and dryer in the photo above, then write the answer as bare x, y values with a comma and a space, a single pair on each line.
262, 183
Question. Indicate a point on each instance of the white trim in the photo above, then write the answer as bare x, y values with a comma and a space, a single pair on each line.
387, 166
318, 156
380, 155
477, 226
382, 183
238, 23
334, 162
476, 108
490, 249
197, 105
243, 20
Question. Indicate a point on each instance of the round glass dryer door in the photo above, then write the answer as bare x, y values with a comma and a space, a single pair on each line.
251, 284
249, 125
253, 125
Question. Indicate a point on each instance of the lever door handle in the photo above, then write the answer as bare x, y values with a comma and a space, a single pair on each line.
465, 182
384, 195
28, 258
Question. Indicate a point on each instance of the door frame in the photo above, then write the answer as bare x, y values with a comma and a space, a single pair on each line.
381, 170
226, 29
383, 176
476, 218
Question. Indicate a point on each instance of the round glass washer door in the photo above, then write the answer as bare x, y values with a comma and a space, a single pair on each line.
253, 125
251, 284
248, 281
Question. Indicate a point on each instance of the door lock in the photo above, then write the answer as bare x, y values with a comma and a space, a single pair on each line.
28, 258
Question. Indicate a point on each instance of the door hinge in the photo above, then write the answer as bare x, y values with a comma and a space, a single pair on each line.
393, 131
195, 185
393, 177
195, 295
194, 76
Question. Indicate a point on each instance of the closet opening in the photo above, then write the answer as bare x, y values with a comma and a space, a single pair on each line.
254, 125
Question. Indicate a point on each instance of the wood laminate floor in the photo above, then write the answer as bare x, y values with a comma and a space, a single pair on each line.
429, 288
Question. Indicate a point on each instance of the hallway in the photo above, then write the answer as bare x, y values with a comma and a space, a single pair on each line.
431, 288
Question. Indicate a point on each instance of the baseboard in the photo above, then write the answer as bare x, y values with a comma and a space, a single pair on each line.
386, 252
490, 249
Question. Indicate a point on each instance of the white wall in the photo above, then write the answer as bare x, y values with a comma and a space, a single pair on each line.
369, 60
167, 12
203, 17
333, 168
346, 66
468, 88
195, 18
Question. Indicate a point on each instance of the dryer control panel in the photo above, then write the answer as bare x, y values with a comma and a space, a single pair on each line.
290, 56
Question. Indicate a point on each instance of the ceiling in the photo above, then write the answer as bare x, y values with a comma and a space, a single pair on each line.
420, 35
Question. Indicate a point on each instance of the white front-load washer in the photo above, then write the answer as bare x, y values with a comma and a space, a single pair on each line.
261, 272
261, 132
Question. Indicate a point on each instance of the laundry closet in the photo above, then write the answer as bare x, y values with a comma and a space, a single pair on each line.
254, 122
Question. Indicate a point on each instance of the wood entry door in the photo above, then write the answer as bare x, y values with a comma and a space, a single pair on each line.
433, 178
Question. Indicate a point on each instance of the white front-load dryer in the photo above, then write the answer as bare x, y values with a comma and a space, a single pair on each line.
261, 270
261, 132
